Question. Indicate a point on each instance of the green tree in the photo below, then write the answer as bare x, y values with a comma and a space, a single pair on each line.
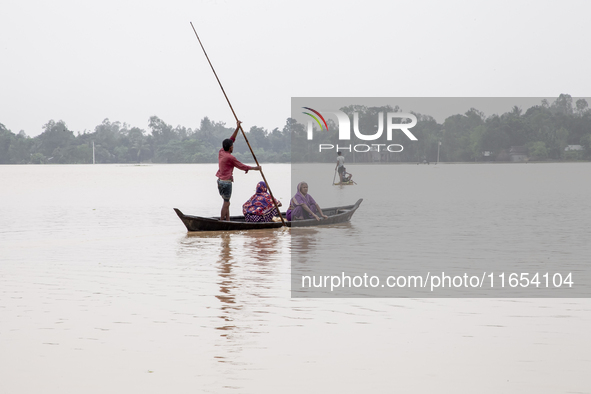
538, 151
563, 104
20, 149
6, 137
38, 158
476, 142
138, 143
257, 137
54, 139
582, 106
107, 134
586, 142
162, 132
297, 133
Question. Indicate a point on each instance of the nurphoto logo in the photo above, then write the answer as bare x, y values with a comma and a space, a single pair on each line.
344, 125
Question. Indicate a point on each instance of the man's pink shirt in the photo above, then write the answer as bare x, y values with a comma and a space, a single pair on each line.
227, 162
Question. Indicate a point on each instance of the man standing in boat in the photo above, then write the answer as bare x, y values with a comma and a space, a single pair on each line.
340, 165
227, 162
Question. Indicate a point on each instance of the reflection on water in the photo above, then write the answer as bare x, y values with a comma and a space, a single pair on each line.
227, 284
246, 267
265, 246
304, 240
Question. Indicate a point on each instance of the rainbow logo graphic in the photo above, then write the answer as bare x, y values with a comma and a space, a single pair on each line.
315, 118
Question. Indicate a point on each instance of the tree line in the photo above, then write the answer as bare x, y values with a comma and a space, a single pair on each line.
542, 132
116, 142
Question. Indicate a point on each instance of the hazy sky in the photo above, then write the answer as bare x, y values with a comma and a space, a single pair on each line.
82, 62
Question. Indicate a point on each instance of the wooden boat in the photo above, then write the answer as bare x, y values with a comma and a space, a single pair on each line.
197, 223
344, 183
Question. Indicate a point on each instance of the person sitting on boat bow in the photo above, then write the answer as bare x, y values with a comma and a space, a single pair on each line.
260, 207
346, 177
227, 162
302, 205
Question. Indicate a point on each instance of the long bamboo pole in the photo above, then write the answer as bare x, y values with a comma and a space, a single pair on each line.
243, 134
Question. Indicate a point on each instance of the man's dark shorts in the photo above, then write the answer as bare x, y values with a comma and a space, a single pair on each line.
225, 189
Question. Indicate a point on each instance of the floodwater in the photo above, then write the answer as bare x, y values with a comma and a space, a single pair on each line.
103, 290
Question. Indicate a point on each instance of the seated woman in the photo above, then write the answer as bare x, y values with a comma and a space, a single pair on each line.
260, 207
302, 205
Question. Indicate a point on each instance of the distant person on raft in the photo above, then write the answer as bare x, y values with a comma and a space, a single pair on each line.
340, 167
